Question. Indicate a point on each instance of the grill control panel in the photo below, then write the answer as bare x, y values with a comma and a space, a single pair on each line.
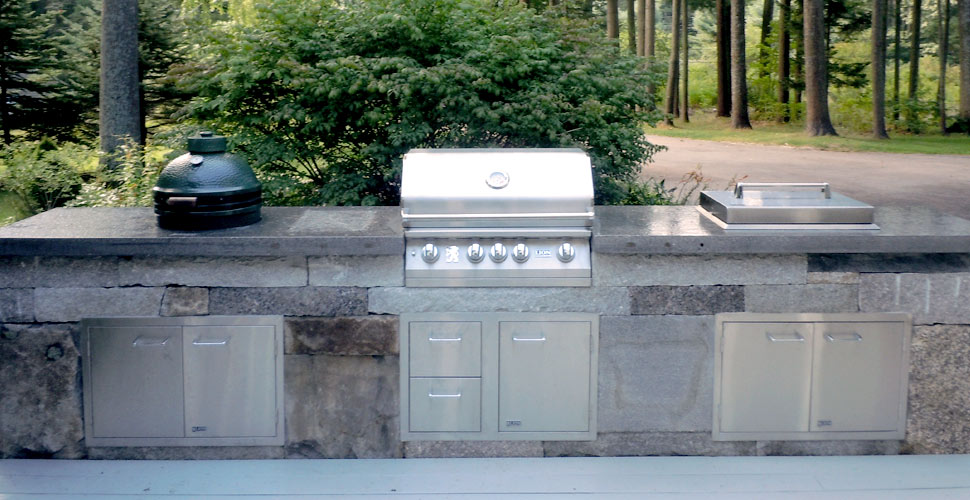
509, 262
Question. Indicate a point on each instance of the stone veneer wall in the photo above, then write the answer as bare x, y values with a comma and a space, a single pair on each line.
341, 346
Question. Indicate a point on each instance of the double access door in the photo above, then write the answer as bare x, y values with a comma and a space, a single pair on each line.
508, 376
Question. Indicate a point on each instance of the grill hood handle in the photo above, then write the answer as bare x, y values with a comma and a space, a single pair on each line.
823, 186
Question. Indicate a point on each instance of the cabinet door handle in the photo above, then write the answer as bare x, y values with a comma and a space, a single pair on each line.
436, 339
211, 342
520, 339
150, 341
851, 337
795, 337
433, 395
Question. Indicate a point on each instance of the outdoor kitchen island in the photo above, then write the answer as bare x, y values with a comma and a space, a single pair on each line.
336, 275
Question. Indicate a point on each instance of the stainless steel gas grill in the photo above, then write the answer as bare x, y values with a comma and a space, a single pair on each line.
497, 217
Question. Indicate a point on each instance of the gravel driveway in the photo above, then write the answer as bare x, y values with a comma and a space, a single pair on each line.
941, 182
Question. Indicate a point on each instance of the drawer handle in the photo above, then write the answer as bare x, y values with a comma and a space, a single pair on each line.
150, 342
518, 339
433, 395
211, 342
795, 338
851, 337
436, 339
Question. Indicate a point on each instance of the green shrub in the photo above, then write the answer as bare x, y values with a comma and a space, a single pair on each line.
324, 99
44, 174
129, 183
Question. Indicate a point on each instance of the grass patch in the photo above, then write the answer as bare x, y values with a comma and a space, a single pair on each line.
706, 126
12, 208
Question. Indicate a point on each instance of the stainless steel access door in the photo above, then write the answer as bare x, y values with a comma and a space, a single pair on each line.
544, 376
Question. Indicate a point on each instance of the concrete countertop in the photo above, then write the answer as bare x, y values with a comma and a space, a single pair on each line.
286, 231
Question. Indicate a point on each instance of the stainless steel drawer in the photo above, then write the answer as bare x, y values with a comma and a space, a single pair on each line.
445, 348
445, 405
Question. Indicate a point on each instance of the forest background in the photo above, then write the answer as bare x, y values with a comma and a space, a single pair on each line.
324, 99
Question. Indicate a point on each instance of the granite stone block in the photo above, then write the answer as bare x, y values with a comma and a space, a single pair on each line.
16, 305
603, 300
364, 271
342, 407
344, 336
833, 278
827, 448
58, 272
801, 298
931, 298
185, 301
656, 373
625, 444
649, 269
187, 453
472, 449
890, 263
289, 301
73, 304
40, 394
689, 300
939, 390
215, 271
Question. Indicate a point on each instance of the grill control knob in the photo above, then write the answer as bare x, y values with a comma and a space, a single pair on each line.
498, 253
476, 253
566, 252
429, 253
520, 253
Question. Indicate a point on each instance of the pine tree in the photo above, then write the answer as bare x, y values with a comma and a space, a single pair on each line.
25, 53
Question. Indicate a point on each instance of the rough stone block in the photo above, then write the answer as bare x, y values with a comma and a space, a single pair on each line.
603, 300
56, 272
365, 271
939, 390
801, 298
72, 304
828, 448
652, 269
693, 300
931, 298
215, 271
473, 449
180, 301
16, 305
625, 444
40, 396
295, 301
353, 336
342, 407
188, 453
890, 263
655, 373
835, 278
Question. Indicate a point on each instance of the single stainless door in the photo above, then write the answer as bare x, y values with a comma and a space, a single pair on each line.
765, 377
136, 381
230, 381
857, 377
445, 348
544, 373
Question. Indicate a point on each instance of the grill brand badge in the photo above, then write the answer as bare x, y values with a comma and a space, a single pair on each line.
497, 180
451, 254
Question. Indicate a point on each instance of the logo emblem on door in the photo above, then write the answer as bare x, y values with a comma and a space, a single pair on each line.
497, 180
451, 254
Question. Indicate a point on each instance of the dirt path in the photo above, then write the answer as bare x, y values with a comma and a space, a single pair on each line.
938, 181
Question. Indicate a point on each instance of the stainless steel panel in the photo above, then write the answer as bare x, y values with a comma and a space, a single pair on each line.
230, 381
765, 378
445, 405
856, 380
785, 207
135, 381
544, 376
445, 349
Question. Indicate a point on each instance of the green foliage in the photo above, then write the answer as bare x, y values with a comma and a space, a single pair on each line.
44, 174
335, 95
25, 52
129, 183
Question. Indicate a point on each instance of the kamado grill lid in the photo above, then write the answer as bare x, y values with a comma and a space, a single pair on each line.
785, 206
496, 187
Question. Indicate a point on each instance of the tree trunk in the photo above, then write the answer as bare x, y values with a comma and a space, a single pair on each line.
943, 8
784, 64
879, 69
914, 33
612, 19
896, 37
650, 29
631, 26
723, 23
739, 83
641, 27
119, 94
817, 121
684, 24
767, 14
672, 73
963, 16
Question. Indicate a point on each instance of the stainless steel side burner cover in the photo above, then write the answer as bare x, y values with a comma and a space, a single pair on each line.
786, 206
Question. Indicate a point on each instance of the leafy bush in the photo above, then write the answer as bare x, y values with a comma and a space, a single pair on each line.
44, 174
335, 94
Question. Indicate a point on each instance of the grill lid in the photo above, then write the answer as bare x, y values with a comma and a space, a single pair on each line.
791, 205
496, 187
